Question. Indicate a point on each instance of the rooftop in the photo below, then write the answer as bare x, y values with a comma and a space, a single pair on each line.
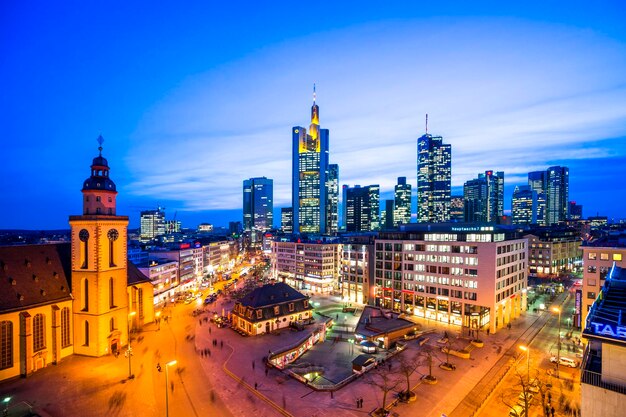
607, 317
271, 294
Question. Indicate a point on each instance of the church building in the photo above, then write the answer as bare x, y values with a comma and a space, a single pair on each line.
79, 298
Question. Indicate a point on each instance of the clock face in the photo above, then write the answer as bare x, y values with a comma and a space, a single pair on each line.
113, 234
83, 235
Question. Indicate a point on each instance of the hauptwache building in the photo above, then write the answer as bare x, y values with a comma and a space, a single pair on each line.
57, 300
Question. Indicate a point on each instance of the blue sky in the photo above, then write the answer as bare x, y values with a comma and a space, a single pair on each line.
193, 100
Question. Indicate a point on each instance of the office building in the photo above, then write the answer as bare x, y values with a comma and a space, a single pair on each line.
235, 228
309, 176
524, 205
362, 206
258, 204
172, 226
599, 255
434, 174
557, 194
553, 250
483, 198
457, 208
537, 181
286, 219
473, 276
387, 220
402, 202
357, 268
602, 382
306, 265
332, 187
152, 224
575, 211
163, 273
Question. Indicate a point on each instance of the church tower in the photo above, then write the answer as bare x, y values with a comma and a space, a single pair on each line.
99, 266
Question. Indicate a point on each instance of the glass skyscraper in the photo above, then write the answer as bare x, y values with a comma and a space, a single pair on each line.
552, 188
524, 205
332, 187
152, 224
309, 176
258, 204
434, 173
362, 207
402, 201
484, 198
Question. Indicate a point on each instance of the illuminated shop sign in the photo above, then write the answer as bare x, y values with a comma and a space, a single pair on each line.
608, 330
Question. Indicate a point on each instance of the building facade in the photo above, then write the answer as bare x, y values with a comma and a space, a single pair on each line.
286, 220
312, 266
309, 176
152, 224
603, 369
557, 194
163, 273
362, 206
524, 205
332, 185
484, 198
434, 174
553, 250
537, 181
457, 209
357, 269
466, 275
402, 202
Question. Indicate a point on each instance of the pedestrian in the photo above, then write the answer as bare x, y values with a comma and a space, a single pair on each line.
255, 386
200, 322
357, 402
209, 329
222, 345
208, 352
253, 365
266, 371
361, 402
552, 411
488, 330
389, 367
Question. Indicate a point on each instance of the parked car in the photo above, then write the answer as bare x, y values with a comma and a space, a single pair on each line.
564, 361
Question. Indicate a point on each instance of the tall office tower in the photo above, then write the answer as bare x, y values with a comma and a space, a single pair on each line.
332, 187
309, 171
258, 204
234, 228
537, 182
434, 173
387, 216
524, 205
152, 224
286, 219
557, 192
483, 198
362, 205
575, 211
457, 208
172, 226
402, 200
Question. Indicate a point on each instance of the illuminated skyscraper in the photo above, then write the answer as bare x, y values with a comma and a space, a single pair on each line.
362, 206
457, 208
537, 182
286, 219
575, 211
524, 205
332, 187
434, 173
152, 224
258, 204
557, 194
402, 200
309, 176
483, 198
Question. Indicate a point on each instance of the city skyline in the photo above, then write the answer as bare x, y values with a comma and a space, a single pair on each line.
177, 108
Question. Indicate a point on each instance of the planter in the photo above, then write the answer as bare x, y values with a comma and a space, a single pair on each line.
380, 412
405, 397
432, 380
448, 366
478, 343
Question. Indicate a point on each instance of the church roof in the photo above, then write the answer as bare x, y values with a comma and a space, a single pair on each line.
135, 276
271, 294
34, 275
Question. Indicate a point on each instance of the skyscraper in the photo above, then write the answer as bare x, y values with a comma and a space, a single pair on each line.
152, 224
434, 173
457, 208
402, 201
575, 211
332, 187
309, 175
362, 206
558, 194
524, 205
258, 204
537, 182
483, 198
387, 220
286, 219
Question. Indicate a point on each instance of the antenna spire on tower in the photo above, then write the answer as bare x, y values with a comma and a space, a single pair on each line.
314, 94
100, 141
426, 123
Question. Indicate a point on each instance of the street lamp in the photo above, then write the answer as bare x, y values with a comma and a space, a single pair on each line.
558, 355
167, 410
129, 351
527, 350
6, 405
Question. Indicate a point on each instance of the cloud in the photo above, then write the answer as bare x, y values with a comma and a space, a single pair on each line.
507, 94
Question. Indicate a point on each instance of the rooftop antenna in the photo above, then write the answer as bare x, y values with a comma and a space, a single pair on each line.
314, 94
100, 141
427, 123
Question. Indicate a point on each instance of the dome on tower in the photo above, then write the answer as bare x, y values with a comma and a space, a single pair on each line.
100, 161
99, 179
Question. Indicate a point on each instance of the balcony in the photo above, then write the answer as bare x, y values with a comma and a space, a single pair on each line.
591, 374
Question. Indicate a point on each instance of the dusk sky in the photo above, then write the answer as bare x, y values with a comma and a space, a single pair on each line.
192, 99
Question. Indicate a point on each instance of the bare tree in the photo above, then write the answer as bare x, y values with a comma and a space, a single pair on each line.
408, 365
446, 349
527, 390
386, 382
426, 356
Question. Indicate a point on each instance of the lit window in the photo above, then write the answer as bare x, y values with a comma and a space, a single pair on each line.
39, 340
617, 256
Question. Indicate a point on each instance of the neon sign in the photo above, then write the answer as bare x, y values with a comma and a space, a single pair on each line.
609, 330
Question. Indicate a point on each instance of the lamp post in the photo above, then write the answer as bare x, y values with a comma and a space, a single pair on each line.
129, 351
167, 365
558, 355
527, 350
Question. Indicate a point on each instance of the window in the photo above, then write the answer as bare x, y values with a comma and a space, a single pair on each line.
140, 302
111, 293
86, 295
617, 257
259, 314
592, 256
83, 235
6, 344
306, 303
65, 327
291, 307
86, 333
112, 235
591, 295
591, 269
98, 198
39, 339
604, 256
112, 324
276, 310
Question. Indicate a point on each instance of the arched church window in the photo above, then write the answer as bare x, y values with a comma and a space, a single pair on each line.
83, 235
112, 235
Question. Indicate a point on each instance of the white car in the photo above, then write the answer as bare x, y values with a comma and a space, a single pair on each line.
564, 361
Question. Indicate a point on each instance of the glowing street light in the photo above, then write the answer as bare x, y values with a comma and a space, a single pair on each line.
527, 350
167, 410
129, 351
6, 402
558, 355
